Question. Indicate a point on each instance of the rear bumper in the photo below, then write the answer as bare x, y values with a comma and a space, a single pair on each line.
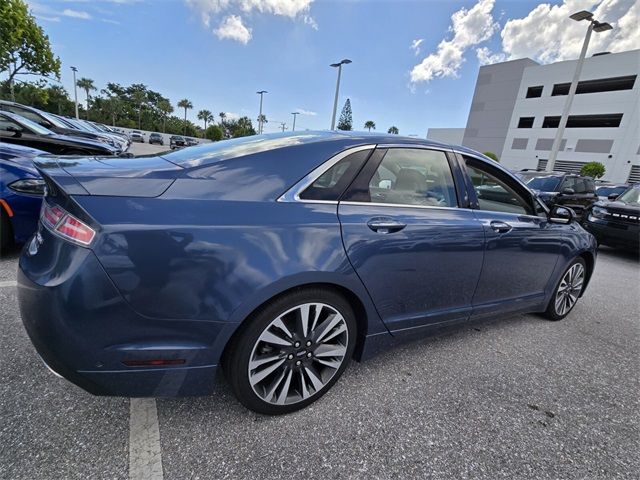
84, 330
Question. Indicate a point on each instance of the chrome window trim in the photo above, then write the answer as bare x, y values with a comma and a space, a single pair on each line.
402, 205
293, 194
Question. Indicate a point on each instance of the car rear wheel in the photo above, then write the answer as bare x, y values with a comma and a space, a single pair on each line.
292, 351
567, 291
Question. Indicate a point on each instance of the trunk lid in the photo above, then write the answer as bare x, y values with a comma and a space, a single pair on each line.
109, 176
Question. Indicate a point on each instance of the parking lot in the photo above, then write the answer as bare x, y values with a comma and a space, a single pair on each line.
515, 398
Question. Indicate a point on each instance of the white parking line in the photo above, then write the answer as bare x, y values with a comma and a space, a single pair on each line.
8, 283
145, 453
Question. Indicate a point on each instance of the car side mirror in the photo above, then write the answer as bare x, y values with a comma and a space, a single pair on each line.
561, 215
568, 191
613, 196
17, 131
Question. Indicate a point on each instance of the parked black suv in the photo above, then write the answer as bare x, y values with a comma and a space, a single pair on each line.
156, 138
176, 141
558, 188
616, 223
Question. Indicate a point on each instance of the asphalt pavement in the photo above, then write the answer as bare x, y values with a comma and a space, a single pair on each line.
515, 398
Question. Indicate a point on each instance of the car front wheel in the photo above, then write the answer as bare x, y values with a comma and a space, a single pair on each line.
292, 351
567, 291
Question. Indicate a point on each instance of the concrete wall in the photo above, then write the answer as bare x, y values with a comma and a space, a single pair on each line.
446, 135
492, 106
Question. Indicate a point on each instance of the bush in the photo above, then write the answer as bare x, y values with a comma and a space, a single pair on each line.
492, 156
593, 169
214, 132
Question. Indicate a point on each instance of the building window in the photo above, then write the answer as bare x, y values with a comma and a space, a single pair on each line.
534, 92
595, 86
525, 122
606, 120
519, 144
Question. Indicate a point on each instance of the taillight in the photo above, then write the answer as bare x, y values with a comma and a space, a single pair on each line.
66, 225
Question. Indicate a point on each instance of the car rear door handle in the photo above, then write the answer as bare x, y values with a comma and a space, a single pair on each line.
500, 227
385, 225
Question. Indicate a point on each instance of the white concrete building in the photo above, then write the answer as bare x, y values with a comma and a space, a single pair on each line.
516, 108
446, 135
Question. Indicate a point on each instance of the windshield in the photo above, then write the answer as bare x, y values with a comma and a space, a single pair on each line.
53, 119
606, 191
631, 196
35, 127
543, 183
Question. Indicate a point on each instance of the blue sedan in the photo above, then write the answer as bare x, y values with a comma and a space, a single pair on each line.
21, 190
276, 259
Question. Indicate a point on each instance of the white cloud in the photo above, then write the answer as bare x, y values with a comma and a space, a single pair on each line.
232, 28
469, 27
108, 20
302, 111
486, 57
67, 12
212, 9
547, 34
415, 45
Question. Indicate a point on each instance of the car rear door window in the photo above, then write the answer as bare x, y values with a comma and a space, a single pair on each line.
496, 192
330, 185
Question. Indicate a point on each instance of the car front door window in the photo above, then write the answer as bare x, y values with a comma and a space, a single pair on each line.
495, 195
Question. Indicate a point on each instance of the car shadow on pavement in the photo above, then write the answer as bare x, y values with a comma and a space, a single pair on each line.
619, 253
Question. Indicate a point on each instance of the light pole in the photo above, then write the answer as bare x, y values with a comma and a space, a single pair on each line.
335, 100
283, 125
295, 114
596, 26
75, 89
261, 93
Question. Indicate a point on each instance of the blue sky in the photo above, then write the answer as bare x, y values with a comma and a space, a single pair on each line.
172, 46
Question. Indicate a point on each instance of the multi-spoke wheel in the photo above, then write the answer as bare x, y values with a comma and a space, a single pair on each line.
568, 290
292, 351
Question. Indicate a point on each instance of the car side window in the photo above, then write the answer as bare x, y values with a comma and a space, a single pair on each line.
413, 176
330, 185
5, 123
494, 192
569, 182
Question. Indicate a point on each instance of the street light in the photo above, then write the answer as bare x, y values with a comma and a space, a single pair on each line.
335, 100
594, 25
293, 129
283, 125
261, 93
75, 89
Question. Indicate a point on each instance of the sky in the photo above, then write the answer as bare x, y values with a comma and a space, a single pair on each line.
414, 66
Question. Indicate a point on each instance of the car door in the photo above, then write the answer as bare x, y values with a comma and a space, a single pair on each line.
522, 247
11, 132
409, 236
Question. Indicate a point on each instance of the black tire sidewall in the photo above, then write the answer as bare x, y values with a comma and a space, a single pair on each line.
236, 359
551, 312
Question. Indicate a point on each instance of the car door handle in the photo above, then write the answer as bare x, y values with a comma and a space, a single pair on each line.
500, 227
385, 225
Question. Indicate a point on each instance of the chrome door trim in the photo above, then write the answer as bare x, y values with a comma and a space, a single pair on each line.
293, 194
402, 205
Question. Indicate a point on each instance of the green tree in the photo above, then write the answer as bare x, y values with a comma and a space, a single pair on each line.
165, 108
59, 101
222, 116
206, 116
138, 94
214, 132
24, 48
241, 127
87, 85
262, 117
187, 105
346, 117
593, 169
369, 124
492, 156
112, 107
393, 130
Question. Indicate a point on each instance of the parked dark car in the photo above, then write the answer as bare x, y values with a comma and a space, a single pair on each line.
21, 189
176, 141
136, 137
610, 191
191, 141
616, 223
54, 123
18, 130
558, 188
278, 258
156, 138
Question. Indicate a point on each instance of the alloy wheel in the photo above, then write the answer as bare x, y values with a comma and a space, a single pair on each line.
569, 289
298, 353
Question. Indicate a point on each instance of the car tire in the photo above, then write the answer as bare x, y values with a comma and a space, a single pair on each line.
567, 291
277, 363
6, 232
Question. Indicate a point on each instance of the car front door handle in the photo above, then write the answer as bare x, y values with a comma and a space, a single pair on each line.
500, 227
385, 225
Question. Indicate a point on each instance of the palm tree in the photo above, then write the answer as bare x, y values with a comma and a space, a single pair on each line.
165, 108
87, 85
369, 124
262, 117
205, 116
393, 130
222, 116
139, 96
187, 105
